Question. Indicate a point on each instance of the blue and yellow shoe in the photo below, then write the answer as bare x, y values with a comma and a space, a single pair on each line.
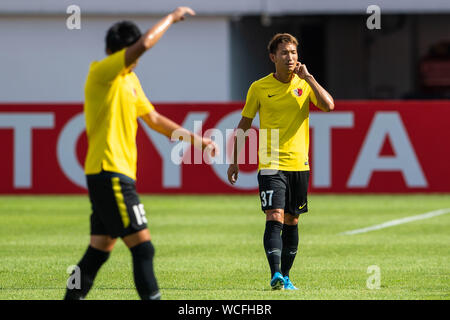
277, 282
288, 284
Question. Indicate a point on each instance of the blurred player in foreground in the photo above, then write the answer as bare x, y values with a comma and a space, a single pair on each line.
282, 100
114, 99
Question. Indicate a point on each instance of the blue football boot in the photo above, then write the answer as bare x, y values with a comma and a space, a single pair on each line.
288, 284
277, 282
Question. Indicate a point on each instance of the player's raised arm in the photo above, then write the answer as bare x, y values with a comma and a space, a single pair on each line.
325, 101
152, 36
239, 142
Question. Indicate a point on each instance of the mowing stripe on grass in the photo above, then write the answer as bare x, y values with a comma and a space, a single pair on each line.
396, 222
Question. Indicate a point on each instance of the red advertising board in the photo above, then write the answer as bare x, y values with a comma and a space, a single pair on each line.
362, 146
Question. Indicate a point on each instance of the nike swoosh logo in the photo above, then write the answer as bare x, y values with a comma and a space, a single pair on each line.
156, 296
273, 251
271, 95
301, 207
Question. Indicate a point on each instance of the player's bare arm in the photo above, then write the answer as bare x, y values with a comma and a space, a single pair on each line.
152, 36
165, 126
233, 169
325, 101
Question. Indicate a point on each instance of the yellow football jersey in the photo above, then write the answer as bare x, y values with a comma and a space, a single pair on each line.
114, 99
284, 122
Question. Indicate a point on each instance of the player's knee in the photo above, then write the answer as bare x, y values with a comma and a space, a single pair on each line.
275, 215
137, 238
290, 219
102, 243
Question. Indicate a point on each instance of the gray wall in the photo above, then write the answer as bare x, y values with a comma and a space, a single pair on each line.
228, 7
42, 61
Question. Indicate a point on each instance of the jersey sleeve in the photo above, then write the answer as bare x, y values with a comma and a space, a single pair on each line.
143, 105
109, 68
312, 96
251, 103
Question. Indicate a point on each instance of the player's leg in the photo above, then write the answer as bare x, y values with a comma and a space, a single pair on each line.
94, 257
102, 242
289, 238
136, 237
272, 189
142, 251
273, 245
296, 205
107, 222
103, 222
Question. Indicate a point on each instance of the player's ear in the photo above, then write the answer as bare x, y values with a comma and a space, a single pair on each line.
272, 57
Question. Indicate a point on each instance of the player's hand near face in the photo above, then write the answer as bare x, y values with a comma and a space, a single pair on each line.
301, 71
325, 101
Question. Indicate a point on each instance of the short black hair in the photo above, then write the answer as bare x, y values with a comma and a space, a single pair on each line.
122, 34
281, 38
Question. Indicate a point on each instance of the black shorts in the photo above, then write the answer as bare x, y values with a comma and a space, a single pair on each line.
284, 190
116, 209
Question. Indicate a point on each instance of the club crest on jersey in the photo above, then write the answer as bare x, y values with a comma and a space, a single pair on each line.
298, 92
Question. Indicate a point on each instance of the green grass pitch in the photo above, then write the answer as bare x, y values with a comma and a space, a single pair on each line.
210, 247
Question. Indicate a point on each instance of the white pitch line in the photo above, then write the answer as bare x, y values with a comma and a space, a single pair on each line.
396, 222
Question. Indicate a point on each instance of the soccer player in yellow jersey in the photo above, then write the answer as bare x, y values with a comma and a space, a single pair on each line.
282, 100
114, 100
